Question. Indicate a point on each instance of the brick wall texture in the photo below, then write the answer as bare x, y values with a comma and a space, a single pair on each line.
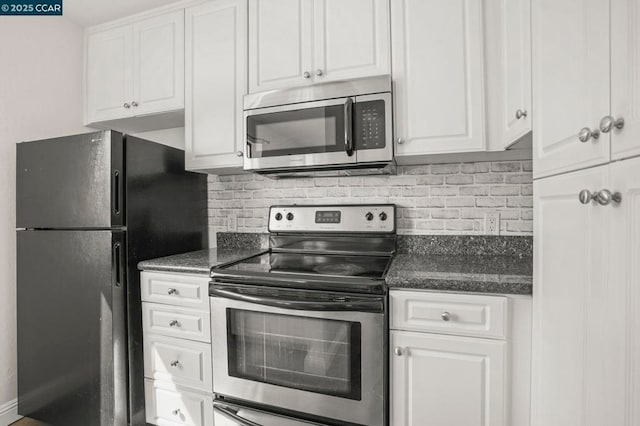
431, 199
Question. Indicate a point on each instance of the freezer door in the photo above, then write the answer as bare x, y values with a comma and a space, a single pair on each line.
71, 182
71, 327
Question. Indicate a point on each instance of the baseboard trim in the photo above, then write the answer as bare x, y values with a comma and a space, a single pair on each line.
9, 413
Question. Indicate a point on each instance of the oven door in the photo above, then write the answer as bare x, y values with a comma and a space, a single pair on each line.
301, 351
310, 134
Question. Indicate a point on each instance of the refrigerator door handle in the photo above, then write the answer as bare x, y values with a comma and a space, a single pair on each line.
117, 260
117, 192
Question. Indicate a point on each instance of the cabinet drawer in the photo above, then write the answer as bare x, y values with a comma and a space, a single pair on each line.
175, 289
459, 314
176, 322
178, 361
169, 405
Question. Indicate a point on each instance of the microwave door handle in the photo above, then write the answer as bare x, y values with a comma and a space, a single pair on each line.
348, 126
233, 416
301, 305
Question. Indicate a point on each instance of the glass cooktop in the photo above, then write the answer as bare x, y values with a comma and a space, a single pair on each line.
316, 264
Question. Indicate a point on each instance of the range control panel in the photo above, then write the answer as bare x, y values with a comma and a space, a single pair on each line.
374, 218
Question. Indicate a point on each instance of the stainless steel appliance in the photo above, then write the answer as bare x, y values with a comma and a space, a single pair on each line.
88, 208
301, 328
337, 128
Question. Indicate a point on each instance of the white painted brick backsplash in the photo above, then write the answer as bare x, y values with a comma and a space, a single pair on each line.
431, 199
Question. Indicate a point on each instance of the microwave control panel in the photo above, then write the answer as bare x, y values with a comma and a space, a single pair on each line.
369, 125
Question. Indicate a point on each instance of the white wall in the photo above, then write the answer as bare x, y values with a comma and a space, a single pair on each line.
40, 97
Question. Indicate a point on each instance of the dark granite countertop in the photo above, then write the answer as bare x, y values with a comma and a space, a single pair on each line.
197, 262
472, 273
482, 264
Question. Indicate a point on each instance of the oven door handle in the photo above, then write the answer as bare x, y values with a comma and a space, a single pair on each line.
231, 415
357, 305
348, 126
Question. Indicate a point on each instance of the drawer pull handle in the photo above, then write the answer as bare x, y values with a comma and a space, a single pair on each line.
446, 316
174, 323
175, 363
172, 291
398, 351
176, 412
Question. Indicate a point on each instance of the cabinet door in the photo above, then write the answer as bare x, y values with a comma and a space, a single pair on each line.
624, 295
215, 84
625, 77
447, 380
508, 64
158, 64
437, 64
109, 74
351, 39
570, 83
569, 313
280, 44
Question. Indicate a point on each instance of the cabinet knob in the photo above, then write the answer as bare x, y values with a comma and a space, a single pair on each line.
126, 105
239, 153
306, 74
172, 291
605, 197
174, 323
586, 134
446, 316
607, 123
521, 114
398, 351
585, 196
318, 72
176, 412
400, 141
134, 104
175, 363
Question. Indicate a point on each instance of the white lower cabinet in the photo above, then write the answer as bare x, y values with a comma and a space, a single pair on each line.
442, 373
447, 380
171, 405
177, 349
585, 319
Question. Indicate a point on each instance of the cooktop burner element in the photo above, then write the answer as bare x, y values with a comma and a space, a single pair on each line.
338, 248
314, 264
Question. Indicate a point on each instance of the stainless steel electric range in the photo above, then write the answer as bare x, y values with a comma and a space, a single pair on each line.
300, 330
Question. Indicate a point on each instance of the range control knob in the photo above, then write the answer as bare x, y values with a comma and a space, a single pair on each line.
289, 216
278, 216
382, 216
369, 216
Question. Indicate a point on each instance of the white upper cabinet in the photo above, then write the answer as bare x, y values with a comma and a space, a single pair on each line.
158, 59
216, 81
298, 42
437, 63
508, 65
625, 77
571, 69
109, 74
351, 39
280, 34
135, 69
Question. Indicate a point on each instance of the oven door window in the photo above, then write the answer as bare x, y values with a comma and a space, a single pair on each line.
296, 132
311, 354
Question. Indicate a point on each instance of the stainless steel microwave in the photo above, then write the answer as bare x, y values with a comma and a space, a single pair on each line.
337, 128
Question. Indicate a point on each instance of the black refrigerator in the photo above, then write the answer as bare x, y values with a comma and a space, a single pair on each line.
88, 208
